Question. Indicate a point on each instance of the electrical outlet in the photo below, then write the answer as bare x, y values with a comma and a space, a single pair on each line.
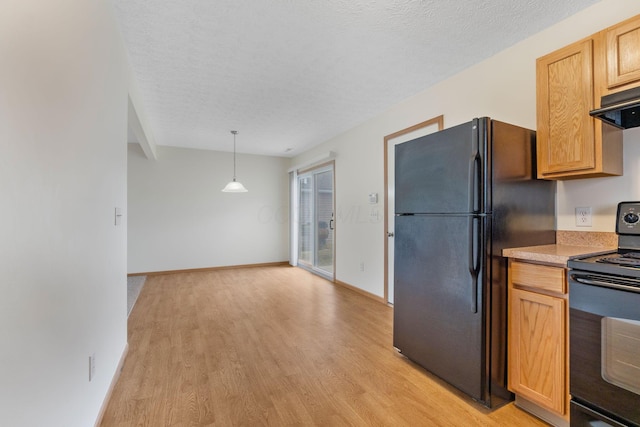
361, 265
583, 217
92, 366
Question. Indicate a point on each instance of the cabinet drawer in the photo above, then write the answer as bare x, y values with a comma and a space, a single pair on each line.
538, 277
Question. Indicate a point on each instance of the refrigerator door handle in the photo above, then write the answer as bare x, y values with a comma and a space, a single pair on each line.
474, 183
475, 249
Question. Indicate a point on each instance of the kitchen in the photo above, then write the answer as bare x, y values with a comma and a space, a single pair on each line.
601, 221
507, 80
560, 358
507, 93
571, 335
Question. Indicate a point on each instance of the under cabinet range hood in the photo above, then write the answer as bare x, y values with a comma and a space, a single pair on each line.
620, 109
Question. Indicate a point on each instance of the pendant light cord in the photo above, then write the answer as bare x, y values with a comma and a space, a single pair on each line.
234, 132
234, 186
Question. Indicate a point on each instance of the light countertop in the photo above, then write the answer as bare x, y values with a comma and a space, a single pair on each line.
555, 254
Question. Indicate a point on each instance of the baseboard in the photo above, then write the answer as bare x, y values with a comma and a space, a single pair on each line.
543, 414
114, 380
360, 291
197, 270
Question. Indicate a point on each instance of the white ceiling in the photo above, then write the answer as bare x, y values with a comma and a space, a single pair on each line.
291, 74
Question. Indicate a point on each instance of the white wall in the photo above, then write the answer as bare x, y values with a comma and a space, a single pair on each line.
502, 87
602, 194
63, 127
180, 219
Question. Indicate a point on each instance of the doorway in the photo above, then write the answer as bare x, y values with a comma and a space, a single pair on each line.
316, 223
390, 141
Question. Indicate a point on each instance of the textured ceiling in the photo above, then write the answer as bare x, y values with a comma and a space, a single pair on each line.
291, 74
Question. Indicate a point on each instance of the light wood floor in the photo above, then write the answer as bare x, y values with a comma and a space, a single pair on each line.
276, 346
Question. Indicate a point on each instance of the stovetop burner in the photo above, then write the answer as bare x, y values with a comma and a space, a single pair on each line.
626, 260
629, 259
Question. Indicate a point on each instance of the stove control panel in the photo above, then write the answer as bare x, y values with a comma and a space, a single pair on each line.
628, 218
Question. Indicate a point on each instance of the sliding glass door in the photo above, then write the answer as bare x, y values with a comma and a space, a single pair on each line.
316, 221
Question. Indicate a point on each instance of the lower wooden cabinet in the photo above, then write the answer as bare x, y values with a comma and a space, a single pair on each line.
537, 340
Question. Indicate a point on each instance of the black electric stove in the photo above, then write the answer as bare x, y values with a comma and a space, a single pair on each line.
604, 330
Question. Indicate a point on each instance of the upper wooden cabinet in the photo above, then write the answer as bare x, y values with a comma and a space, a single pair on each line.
623, 53
569, 84
566, 133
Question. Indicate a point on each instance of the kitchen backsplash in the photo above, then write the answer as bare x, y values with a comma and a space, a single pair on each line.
586, 238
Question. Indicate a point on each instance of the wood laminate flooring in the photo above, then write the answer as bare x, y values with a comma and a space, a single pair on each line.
276, 346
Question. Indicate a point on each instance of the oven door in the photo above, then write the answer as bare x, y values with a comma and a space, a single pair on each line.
584, 417
604, 348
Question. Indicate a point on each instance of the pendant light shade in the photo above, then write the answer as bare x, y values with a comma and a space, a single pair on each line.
234, 186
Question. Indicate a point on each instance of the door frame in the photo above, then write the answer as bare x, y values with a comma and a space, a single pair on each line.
438, 120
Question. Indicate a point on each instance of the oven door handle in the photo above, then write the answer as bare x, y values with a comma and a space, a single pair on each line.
587, 281
627, 284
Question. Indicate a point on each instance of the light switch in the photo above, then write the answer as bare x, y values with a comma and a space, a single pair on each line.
373, 198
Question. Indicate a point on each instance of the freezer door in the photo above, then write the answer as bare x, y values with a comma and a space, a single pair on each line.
438, 304
442, 172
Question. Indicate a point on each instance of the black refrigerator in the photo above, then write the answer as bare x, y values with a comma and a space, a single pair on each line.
461, 196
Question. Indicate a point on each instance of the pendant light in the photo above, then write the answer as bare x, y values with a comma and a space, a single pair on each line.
234, 186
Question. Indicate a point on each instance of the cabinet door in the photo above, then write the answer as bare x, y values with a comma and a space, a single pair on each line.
623, 53
565, 139
537, 351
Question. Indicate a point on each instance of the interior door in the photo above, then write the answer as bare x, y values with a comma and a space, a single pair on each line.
316, 229
390, 141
